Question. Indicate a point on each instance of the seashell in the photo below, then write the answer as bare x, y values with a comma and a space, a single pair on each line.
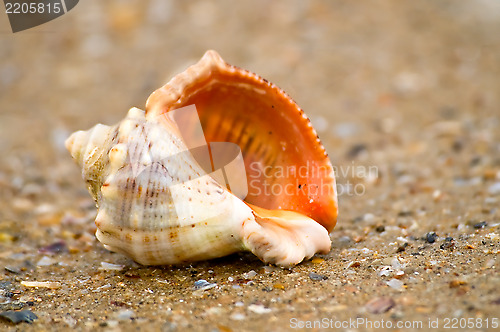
159, 202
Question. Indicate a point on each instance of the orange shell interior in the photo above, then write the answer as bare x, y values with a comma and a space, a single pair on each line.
287, 167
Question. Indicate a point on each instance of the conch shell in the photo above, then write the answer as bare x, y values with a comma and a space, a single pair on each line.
159, 205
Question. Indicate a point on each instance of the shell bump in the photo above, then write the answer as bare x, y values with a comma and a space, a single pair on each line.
159, 204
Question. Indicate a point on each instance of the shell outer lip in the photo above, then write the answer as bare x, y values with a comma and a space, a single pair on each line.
212, 67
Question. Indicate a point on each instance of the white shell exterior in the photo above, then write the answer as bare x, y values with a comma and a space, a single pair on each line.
158, 206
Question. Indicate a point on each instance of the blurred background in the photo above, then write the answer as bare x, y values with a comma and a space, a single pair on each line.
411, 87
372, 76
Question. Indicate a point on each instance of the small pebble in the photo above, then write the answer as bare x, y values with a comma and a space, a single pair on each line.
489, 264
202, 285
368, 217
46, 261
457, 283
405, 213
379, 305
237, 316
317, 260
317, 277
70, 321
494, 189
448, 243
402, 247
125, 314
258, 309
353, 264
56, 247
481, 224
431, 237
110, 323
41, 284
356, 150
12, 269
385, 271
396, 284
268, 269
112, 267
17, 317
493, 236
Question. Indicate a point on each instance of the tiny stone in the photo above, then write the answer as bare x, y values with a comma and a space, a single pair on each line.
368, 217
385, 271
250, 274
258, 309
396, 284
56, 247
405, 213
431, 237
46, 261
489, 264
124, 314
237, 316
380, 228
70, 321
109, 266
41, 284
353, 264
457, 283
448, 243
12, 269
379, 305
268, 269
356, 150
111, 323
202, 284
481, 224
317, 277
317, 260
17, 317
396, 264
402, 247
